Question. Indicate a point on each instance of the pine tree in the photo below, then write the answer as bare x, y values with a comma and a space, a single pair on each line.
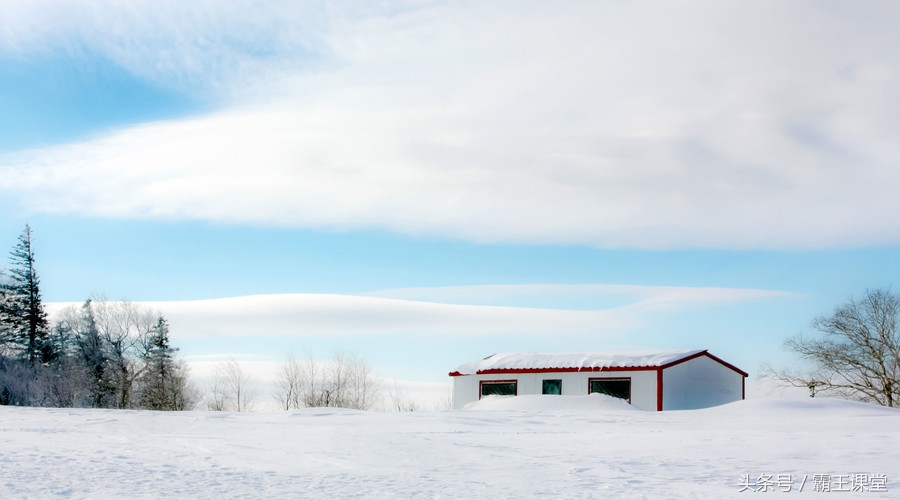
163, 380
7, 342
23, 312
92, 354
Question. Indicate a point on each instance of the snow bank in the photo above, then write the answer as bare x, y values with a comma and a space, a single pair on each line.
803, 408
589, 452
542, 402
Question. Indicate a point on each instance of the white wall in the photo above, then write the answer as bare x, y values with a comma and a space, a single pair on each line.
700, 383
643, 385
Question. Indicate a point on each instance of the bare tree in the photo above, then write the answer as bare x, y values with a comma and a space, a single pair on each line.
217, 399
858, 354
361, 384
400, 400
126, 329
345, 381
315, 390
233, 389
290, 384
444, 403
112, 341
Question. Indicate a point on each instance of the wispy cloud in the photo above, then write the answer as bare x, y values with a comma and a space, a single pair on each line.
646, 124
200, 47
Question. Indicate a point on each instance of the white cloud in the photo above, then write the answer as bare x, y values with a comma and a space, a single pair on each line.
587, 296
649, 125
439, 311
299, 315
445, 323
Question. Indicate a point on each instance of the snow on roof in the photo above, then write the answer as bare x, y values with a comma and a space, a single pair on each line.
572, 360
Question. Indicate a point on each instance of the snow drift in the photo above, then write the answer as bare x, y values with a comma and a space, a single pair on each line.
509, 448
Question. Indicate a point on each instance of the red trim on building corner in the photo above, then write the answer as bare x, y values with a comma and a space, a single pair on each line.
743, 388
659, 389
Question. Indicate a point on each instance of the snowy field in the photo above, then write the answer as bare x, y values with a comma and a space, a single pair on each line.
513, 448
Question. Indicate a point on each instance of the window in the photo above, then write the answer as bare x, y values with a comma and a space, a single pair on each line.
615, 387
552, 387
498, 388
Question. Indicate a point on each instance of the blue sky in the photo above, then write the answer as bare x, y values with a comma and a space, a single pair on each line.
428, 183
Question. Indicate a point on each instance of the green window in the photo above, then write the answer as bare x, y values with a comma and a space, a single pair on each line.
498, 388
552, 387
615, 387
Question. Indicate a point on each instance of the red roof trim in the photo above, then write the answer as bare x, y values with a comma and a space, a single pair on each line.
497, 371
728, 365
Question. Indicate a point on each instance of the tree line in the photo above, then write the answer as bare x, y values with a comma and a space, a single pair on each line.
100, 354
346, 380
104, 354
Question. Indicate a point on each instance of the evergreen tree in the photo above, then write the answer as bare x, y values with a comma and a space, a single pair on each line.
90, 350
23, 312
7, 342
106, 355
163, 381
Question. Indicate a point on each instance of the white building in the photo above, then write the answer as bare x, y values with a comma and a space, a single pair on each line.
671, 380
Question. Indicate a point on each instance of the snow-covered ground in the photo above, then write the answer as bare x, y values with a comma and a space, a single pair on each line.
512, 448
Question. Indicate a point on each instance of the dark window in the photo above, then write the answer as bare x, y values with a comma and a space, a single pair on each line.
615, 387
498, 388
552, 387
